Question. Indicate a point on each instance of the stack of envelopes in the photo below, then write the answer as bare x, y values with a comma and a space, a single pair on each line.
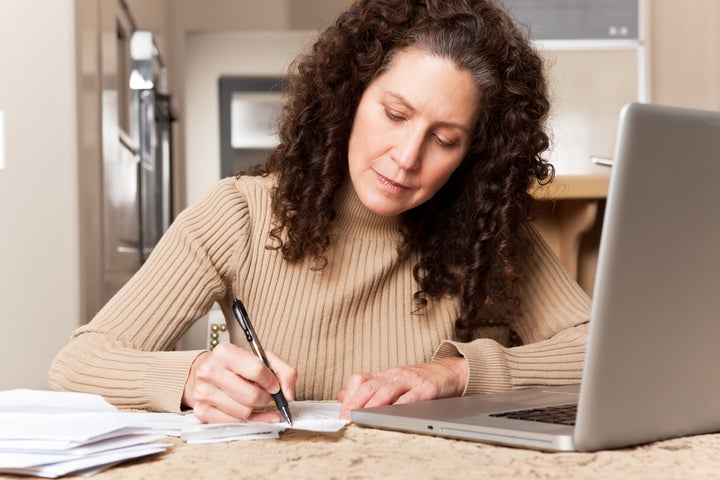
51, 434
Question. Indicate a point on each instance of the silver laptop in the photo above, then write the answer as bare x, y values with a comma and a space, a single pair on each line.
652, 365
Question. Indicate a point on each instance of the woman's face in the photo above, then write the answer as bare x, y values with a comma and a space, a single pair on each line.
412, 129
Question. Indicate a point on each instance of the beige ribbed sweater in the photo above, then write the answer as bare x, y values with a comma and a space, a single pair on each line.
355, 315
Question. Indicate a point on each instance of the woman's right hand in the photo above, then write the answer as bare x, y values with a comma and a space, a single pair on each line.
228, 383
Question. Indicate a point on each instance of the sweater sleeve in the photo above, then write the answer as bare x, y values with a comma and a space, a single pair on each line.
553, 325
124, 353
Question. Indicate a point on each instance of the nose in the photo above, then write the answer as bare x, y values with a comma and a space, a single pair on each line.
409, 148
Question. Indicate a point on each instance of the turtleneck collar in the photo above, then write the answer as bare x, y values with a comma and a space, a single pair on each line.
355, 220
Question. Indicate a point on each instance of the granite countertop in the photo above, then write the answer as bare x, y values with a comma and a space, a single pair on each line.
358, 453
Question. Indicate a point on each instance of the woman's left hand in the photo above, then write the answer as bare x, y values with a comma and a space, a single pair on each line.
439, 379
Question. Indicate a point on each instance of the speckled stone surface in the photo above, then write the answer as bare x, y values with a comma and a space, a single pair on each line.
362, 453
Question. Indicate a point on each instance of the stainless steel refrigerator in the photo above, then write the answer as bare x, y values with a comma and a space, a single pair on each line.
137, 163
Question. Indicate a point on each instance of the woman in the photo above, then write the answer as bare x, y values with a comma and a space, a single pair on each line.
384, 254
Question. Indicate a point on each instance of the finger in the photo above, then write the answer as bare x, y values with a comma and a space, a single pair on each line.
207, 413
217, 386
213, 406
387, 387
229, 393
355, 381
247, 365
286, 374
188, 397
412, 396
385, 392
383, 389
211, 414
267, 417
356, 393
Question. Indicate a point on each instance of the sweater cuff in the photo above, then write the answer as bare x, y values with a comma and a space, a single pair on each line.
488, 369
165, 379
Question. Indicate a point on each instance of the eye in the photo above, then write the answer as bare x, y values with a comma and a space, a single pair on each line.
394, 116
443, 142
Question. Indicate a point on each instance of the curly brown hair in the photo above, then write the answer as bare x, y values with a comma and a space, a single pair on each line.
482, 208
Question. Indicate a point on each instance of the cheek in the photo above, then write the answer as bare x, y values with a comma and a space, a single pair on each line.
438, 172
366, 143
356, 154
358, 139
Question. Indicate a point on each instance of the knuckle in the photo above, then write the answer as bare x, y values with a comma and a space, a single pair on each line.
396, 373
255, 368
357, 379
201, 412
201, 395
258, 397
221, 349
385, 390
204, 372
243, 411
372, 387
208, 373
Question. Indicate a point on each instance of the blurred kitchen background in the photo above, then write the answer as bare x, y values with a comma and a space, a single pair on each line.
117, 114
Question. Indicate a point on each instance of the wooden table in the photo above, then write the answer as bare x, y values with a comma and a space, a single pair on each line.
568, 210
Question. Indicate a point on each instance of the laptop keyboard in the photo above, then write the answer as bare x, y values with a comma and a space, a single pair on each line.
560, 414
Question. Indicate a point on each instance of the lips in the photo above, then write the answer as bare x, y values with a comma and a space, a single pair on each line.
391, 185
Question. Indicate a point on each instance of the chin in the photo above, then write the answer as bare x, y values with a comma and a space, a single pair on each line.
388, 213
382, 207
384, 210
381, 203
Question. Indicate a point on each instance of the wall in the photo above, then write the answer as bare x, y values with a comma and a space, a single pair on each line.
39, 286
209, 56
175, 21
583, 120
190, 18
684, 47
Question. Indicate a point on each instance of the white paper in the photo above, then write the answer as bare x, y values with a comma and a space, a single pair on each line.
50, 447
60, 468
230, 432
313, 416
71, 427
317, 417
171, 424
43, 401
50, 434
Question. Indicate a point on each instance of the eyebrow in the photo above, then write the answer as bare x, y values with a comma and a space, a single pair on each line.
399, 98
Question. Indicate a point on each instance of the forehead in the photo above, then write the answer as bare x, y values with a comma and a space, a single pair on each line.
428, 81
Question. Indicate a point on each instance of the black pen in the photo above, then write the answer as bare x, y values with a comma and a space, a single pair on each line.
244, 320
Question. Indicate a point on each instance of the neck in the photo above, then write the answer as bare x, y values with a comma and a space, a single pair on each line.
354, 218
